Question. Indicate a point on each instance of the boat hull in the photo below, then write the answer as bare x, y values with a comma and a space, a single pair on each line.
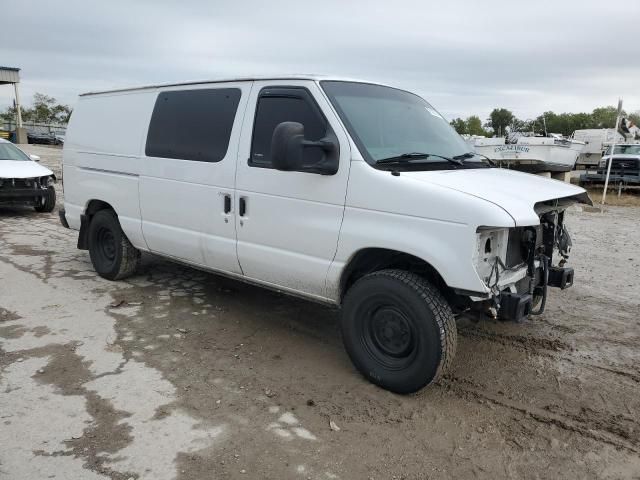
533, 158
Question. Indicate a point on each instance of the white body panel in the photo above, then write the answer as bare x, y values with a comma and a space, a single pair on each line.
514, 192
426, 220
300, 230
101, 157
289, 234
182, 201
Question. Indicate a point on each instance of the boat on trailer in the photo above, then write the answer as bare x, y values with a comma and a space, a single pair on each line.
532, 154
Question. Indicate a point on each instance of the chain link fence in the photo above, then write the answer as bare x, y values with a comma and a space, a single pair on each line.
43, 133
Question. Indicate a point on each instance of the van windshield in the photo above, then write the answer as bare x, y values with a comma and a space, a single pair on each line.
387, 123
9, 152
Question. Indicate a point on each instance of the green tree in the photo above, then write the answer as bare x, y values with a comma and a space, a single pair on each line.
460, 126
499, 119
45, 109
474, 126
502, 120
604, 117
566, 123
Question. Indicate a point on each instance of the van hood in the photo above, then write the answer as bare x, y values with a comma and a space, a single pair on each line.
22, 169
517, 193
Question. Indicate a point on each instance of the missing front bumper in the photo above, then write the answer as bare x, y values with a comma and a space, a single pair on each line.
21, 195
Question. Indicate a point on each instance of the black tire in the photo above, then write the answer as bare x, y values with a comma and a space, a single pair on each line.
47, 202
111, 252
398, 330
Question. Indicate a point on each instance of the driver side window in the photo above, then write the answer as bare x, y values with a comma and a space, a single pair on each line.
280, 104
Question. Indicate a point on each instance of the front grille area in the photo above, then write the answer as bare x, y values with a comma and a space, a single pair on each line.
20, 191
623, 166
19, 183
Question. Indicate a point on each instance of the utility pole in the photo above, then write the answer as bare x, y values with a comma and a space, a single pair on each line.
613, 150
11, 76
18, 112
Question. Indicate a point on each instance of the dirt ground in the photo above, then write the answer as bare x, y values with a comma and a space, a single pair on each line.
180, 374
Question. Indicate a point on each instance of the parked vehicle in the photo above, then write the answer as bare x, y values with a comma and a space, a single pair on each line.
596, 141
625, 167
23, 181
39, 138
58, 138
348, 193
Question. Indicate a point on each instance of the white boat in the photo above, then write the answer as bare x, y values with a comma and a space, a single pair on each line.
532, 154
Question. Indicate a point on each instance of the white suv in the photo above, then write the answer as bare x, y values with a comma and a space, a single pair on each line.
349, 193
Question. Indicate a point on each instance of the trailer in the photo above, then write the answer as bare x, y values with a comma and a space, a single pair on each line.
596, 141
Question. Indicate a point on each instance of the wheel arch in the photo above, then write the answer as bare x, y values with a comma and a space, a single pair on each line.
93, 207
373, 259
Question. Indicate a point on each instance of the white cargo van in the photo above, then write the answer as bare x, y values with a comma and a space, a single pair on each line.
349, 193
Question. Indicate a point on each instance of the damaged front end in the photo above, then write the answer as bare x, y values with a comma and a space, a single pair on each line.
24, 191
519, 264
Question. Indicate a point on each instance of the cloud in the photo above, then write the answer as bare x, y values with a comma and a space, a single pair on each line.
465, 57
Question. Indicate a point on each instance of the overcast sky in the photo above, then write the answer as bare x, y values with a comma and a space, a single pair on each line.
465, 57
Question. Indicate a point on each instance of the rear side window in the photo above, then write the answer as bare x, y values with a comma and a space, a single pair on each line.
285, 104
192, 124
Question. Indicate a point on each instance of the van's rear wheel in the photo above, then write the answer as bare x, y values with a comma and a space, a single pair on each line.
111, 252
398, 330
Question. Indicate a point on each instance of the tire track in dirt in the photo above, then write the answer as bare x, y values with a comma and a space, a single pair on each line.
620, 431
600, 428
530, 344
544, 347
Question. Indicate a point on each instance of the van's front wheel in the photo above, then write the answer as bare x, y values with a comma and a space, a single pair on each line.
112, 254
398, 330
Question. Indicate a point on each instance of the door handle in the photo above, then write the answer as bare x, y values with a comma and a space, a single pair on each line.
243, 206
227, 203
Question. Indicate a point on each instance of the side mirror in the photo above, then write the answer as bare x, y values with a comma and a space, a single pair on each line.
35, 158
287, 150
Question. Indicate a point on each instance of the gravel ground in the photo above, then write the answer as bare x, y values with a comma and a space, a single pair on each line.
177, 373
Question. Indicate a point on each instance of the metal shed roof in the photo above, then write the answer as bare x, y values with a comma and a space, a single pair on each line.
9, 75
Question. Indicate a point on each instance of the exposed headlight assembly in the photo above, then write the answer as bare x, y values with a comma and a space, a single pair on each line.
491, 246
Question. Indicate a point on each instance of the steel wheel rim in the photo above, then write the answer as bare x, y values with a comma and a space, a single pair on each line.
388, 333
106, 244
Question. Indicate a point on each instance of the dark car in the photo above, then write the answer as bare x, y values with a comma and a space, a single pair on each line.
41, 138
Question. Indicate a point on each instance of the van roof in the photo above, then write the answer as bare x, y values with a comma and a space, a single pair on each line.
313, 77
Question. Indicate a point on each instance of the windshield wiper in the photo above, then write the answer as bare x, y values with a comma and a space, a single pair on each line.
410, 157
473, 154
